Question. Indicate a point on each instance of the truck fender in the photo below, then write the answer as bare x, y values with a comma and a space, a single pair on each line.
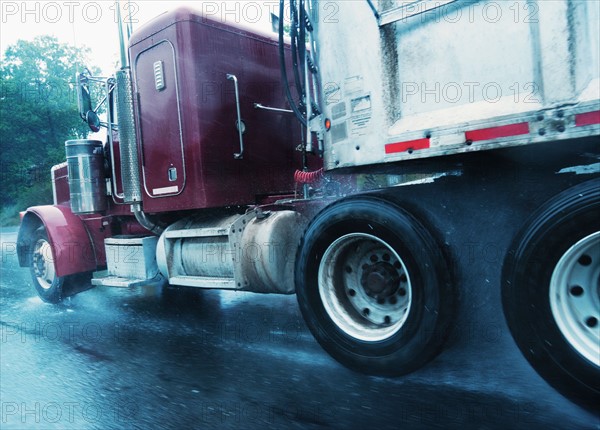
72, 249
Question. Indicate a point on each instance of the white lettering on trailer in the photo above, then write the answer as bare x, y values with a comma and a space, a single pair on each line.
361, 114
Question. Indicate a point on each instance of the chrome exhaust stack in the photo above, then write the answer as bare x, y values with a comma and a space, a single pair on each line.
130, 170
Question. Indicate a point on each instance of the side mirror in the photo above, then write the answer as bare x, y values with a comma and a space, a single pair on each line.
84, 99
93, 121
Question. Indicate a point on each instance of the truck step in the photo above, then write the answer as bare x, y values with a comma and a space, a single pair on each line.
104, 279
203, 282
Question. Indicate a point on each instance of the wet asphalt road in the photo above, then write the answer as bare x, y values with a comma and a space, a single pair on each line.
147, 358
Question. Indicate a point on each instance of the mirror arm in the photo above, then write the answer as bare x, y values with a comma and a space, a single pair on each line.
100, 103
110, 88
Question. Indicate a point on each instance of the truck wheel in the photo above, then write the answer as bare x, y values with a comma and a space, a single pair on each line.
52, 288
551, 292
374, 287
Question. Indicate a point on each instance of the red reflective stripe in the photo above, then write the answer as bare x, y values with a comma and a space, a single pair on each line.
392, 148
587, 118
497, 132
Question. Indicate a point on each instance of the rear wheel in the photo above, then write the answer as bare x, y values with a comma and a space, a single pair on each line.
50, 287
551, 292
374, 287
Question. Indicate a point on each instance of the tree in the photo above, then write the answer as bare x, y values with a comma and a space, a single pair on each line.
38, 112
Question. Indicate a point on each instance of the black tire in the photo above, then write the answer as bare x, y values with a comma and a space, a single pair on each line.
399, 274
52, 288
543, 306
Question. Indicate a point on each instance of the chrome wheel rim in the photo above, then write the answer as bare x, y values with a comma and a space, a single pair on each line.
365, 287
43, 264
575, 297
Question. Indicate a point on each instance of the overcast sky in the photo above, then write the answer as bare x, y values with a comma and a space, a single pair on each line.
93, 23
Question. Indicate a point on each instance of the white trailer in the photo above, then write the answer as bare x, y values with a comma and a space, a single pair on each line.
422, 79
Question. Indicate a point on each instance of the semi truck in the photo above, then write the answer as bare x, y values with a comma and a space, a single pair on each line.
407, 169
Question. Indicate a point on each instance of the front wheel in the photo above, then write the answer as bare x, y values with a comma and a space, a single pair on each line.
374, 287
50, 287
551, 292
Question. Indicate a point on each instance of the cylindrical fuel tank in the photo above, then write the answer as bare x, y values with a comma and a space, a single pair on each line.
198, 247
87, 186
256, 251
207, 257
268, 252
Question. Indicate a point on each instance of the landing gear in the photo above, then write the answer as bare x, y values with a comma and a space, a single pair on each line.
373, 286
551, 292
